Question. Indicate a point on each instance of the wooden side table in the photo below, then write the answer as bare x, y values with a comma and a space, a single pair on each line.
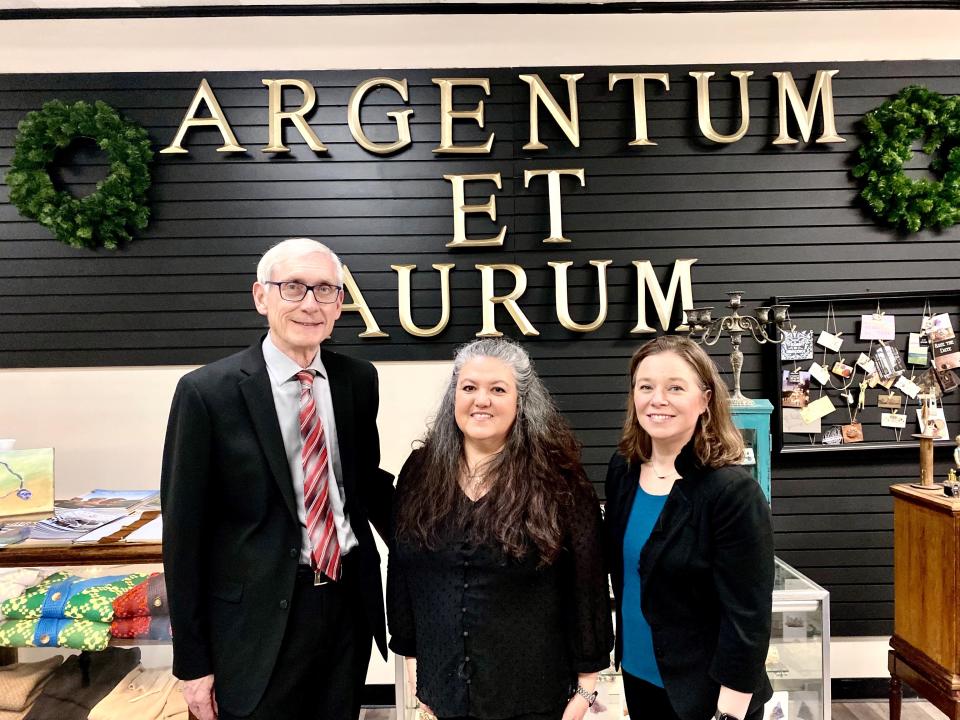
925, 647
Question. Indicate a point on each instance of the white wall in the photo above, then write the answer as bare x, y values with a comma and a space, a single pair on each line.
108, 423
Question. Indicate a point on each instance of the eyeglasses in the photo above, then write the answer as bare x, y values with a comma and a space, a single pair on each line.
293, 291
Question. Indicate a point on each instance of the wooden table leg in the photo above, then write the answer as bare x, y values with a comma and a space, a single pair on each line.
896, 697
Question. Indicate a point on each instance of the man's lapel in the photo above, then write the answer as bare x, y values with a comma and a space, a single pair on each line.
258, 396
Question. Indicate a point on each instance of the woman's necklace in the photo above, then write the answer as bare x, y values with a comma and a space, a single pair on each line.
671, 473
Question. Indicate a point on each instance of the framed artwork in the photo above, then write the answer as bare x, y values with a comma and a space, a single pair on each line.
26, 484
872, 353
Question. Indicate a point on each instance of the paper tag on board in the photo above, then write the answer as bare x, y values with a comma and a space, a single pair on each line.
829, 341
893, 420
907, 386
821, 407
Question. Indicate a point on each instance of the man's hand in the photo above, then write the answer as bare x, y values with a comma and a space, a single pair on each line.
200, 698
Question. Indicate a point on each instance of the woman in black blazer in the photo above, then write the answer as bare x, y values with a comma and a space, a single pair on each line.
690, 546
496, 588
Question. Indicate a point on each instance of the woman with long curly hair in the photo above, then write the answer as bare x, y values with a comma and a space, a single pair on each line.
496, 588
690, 546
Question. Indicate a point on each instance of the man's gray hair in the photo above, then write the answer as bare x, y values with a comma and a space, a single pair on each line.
294, 248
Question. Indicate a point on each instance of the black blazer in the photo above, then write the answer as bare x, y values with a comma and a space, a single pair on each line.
231, 537
706, 577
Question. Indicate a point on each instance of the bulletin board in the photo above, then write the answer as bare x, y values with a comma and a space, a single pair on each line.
854, 369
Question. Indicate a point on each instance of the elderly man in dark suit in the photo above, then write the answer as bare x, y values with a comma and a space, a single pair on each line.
269, 484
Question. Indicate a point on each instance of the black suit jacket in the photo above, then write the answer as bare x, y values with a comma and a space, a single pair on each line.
231, 537
706, 580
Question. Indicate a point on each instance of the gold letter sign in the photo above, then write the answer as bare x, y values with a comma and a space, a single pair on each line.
822, 86
277, 116
640, 101
404, 291
509, 301
401, 117
553, 192
703, 106
570, 125
448, 115
647, 279
460, 210
217, 119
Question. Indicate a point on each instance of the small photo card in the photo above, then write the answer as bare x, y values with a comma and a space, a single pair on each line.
937, 425
873, 379
832, 436
941, 328
946, 356
829, 341
795, 388
890, 401
793, 423
868, 365
852, 433
893, 420
929, 381
842, 369
948, 380
819, 373
821, 407
797, 345
916, 350
907, 386
888, 360
878, 327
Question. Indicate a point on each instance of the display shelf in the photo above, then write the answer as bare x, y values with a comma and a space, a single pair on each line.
799, 660
92, 554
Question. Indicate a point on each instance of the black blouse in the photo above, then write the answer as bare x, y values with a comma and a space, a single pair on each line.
495, 637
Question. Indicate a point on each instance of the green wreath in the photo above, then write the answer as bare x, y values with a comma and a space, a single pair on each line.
915, 114
101, 218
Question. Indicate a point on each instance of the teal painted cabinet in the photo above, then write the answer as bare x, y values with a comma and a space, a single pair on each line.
754, 423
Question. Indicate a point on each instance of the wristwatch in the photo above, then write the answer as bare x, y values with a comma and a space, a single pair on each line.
590, 697
724, 716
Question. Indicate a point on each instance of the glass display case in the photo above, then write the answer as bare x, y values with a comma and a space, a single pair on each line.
753, 422
798, 663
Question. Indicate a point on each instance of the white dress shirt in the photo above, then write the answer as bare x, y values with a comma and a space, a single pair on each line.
286, 397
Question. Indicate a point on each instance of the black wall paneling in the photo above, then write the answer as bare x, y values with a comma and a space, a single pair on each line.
771, 220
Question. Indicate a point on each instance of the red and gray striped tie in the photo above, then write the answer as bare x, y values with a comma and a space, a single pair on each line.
325, 550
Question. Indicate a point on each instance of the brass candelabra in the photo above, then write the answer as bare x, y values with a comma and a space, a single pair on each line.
708, 330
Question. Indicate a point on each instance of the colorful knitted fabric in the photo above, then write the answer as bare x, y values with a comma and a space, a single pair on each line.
66, 596
149, 598
52, 632
145, 628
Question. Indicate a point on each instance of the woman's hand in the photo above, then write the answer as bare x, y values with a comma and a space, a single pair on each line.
410, 663
576, 708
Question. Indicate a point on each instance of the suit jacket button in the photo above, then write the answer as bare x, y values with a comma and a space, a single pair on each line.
284, 604
294, 553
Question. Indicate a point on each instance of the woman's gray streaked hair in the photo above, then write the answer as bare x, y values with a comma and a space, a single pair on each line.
294, 248
534, 404
537, 473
